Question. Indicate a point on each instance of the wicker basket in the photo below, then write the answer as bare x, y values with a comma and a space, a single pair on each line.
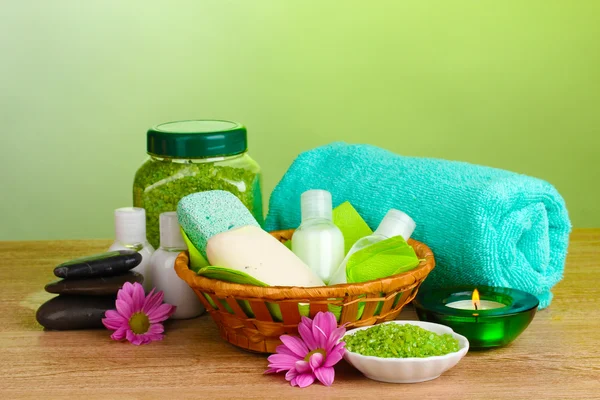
244, 313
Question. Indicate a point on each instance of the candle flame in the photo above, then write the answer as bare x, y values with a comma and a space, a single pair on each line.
475, 299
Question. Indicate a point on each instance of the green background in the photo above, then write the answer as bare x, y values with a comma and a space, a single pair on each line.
510, 84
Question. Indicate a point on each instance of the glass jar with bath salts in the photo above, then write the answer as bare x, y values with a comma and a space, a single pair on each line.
193, 156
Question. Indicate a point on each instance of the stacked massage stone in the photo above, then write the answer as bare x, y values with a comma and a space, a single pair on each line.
89, 287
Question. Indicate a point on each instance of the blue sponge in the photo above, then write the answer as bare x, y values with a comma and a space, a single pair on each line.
205, 214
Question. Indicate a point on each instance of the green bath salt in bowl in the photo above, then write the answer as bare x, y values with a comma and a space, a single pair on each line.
400, 341
404, 351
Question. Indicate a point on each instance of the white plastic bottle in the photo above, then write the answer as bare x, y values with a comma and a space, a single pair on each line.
163, 275
317, 241
130, 234
395, 223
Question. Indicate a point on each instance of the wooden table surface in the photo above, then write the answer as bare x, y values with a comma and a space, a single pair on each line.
557, 357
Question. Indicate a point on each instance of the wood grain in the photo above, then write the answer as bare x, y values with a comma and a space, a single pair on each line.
557, 357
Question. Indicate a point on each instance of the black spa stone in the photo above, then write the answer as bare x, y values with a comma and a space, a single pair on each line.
67, 312
103, 286
99, 265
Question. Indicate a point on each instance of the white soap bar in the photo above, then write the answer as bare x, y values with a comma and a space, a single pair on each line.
253, 251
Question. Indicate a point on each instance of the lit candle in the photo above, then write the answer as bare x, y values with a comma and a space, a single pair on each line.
475, 303
486, 323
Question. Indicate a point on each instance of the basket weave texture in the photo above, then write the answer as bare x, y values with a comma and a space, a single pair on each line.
244, 313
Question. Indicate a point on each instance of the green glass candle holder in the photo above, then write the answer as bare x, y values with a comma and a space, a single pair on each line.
503, 313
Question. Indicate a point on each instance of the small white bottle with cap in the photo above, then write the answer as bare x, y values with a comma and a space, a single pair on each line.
395, 223
317, 241
162, 272
130, 234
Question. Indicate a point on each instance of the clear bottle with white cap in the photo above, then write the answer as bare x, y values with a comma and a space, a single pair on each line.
130, 234
162, 272
317, 241
395, 223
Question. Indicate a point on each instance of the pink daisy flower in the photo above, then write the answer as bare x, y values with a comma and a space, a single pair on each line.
138, 317
313, 355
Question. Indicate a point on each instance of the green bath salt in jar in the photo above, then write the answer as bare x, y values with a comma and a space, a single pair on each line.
193, 156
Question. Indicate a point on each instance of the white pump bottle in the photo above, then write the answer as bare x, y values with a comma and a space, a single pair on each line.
130, 234
163, 275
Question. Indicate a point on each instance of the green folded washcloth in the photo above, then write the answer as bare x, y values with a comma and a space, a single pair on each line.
386, 258
229, 275
352, 225
197, 260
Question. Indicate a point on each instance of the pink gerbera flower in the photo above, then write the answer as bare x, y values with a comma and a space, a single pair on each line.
313, 355
138, 317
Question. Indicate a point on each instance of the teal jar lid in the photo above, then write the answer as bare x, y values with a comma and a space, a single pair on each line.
197, 139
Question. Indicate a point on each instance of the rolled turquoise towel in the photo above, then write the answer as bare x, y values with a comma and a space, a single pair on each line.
486, 226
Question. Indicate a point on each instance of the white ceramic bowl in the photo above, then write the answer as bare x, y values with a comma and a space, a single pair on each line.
408, 370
